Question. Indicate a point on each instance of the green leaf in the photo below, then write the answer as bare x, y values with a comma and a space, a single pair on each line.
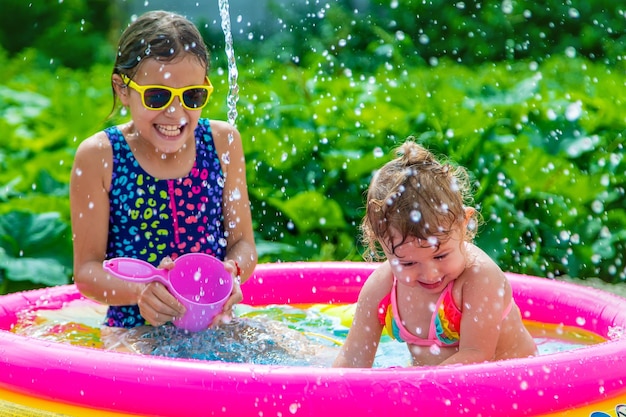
311, 210
46, 271
35, 247
18, 107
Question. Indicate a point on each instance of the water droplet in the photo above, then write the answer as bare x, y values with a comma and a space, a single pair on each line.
570, 52
574, 111
235, 195
597, 206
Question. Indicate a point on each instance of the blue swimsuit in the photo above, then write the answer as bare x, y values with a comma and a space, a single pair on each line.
152, 218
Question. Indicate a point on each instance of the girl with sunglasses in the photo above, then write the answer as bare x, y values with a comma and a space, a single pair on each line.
437, 292
166, 183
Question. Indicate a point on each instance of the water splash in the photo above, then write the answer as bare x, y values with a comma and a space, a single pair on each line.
233, 90
268, 335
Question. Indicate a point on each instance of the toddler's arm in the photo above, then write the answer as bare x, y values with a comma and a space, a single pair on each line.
360, 347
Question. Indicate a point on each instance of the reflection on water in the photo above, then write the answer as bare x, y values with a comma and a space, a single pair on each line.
269, 335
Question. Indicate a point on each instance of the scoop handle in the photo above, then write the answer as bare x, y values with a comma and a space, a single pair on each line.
135, 270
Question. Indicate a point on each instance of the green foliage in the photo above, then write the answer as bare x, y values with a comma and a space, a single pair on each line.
44, 115
364, 36
72, 32
544, 142
325, 100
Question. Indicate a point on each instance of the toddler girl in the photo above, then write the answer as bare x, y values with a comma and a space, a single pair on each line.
436, 291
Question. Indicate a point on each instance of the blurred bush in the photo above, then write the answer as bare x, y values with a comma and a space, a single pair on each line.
74, 33
525, 94
366, 35
469, 32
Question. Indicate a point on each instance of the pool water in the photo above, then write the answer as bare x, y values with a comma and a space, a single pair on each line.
291, 335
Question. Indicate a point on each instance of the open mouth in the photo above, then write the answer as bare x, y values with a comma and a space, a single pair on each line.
170, 130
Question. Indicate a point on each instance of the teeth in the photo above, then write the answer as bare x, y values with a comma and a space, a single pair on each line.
169, 130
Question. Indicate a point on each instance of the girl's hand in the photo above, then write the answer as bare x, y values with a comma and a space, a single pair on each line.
235, 296
166, 263
156, 304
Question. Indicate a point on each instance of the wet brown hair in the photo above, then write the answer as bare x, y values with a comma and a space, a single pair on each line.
159, 35
416, 196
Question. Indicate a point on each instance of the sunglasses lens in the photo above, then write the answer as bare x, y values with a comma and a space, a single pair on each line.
195, 97
156, 98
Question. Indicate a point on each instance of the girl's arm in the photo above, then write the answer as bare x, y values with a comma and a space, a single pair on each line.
89, 202
360, 347
485, 296
241, 249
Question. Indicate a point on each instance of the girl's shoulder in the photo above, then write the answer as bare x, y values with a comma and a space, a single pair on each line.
95, 145
479, 263
481, 273
379, 283
104, 138
93, 161
226, 137
220, 129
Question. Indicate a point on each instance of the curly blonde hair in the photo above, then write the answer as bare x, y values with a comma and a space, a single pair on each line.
416, 196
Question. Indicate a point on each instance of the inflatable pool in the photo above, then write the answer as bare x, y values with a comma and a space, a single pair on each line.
46, 378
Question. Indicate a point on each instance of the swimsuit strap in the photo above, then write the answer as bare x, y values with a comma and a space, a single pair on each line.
383, 308
445, 326
508, 309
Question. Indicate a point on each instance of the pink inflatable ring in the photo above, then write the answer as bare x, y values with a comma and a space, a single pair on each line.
76, 381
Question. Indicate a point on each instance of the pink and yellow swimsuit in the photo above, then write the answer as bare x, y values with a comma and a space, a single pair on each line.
445, 325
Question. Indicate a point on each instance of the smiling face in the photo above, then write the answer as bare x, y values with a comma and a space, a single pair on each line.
169, 129
430, 264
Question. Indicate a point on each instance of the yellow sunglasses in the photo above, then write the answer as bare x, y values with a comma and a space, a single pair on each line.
158, 97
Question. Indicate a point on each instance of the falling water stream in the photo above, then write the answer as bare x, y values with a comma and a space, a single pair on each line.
233, 90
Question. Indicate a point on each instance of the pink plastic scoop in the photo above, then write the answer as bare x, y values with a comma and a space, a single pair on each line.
198, 280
